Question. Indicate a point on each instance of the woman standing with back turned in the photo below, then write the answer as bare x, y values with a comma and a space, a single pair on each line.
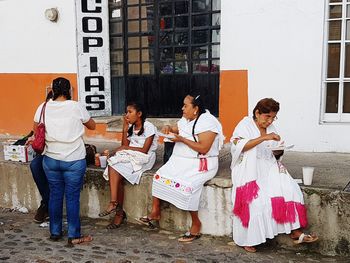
64, 158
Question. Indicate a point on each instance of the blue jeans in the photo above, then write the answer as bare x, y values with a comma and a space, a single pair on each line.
40, 179
65, 179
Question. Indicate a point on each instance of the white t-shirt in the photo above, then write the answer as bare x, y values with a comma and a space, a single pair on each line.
139, 141
64, 129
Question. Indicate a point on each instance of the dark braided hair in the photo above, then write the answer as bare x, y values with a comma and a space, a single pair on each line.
139, 108
61, 87
197, 100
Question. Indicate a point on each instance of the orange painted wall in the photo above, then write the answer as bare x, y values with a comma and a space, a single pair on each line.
233, 99
21, 94
100, 132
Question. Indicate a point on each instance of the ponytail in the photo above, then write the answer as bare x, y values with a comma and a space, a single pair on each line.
142, 126
197, 101
194, 125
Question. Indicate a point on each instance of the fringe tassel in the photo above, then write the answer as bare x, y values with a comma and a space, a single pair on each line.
302, 214
278, 209
285, 212
203, 165
290, 212
244, 196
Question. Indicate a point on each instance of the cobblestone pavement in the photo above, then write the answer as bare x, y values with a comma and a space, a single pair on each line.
21, 240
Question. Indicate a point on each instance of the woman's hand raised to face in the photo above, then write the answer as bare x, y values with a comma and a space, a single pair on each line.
125, 123
272, 136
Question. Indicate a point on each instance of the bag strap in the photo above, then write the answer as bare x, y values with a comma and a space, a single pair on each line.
42, 114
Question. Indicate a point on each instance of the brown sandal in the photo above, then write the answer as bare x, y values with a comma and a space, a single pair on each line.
151, 223
108, 212
188, 237
79, 240
114, 225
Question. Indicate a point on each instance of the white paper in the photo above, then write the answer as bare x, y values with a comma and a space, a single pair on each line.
281, 147
169, 136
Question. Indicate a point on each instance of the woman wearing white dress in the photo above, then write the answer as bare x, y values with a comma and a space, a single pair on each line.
132, 158
266, 199
198, 136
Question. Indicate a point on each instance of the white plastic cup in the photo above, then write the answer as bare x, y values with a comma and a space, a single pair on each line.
308, 173
103, 161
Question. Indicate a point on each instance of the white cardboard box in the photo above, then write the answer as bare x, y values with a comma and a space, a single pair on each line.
18, 153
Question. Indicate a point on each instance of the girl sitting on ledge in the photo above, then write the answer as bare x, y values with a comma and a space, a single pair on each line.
132, 158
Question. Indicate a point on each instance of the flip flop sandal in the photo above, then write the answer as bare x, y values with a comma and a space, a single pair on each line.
151, 223
108, 212
188, 237
305, 238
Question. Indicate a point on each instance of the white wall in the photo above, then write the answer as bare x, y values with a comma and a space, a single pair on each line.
32, 44
280, 43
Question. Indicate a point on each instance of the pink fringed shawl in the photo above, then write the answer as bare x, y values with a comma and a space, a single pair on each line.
244, 173
286, 203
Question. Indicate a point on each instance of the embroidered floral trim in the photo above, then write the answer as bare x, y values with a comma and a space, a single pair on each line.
172, 183
236, 140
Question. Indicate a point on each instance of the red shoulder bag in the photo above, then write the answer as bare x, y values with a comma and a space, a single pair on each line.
38, 143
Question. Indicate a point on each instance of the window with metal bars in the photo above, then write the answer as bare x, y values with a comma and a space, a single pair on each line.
153, 42
336, 84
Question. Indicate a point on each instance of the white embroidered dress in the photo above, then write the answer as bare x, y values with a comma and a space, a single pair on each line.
133, 169
267, 201
180, 181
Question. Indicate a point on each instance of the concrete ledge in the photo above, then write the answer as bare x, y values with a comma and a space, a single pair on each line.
328, 209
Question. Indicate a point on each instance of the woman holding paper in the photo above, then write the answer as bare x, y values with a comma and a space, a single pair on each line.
198, 138
266, 199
